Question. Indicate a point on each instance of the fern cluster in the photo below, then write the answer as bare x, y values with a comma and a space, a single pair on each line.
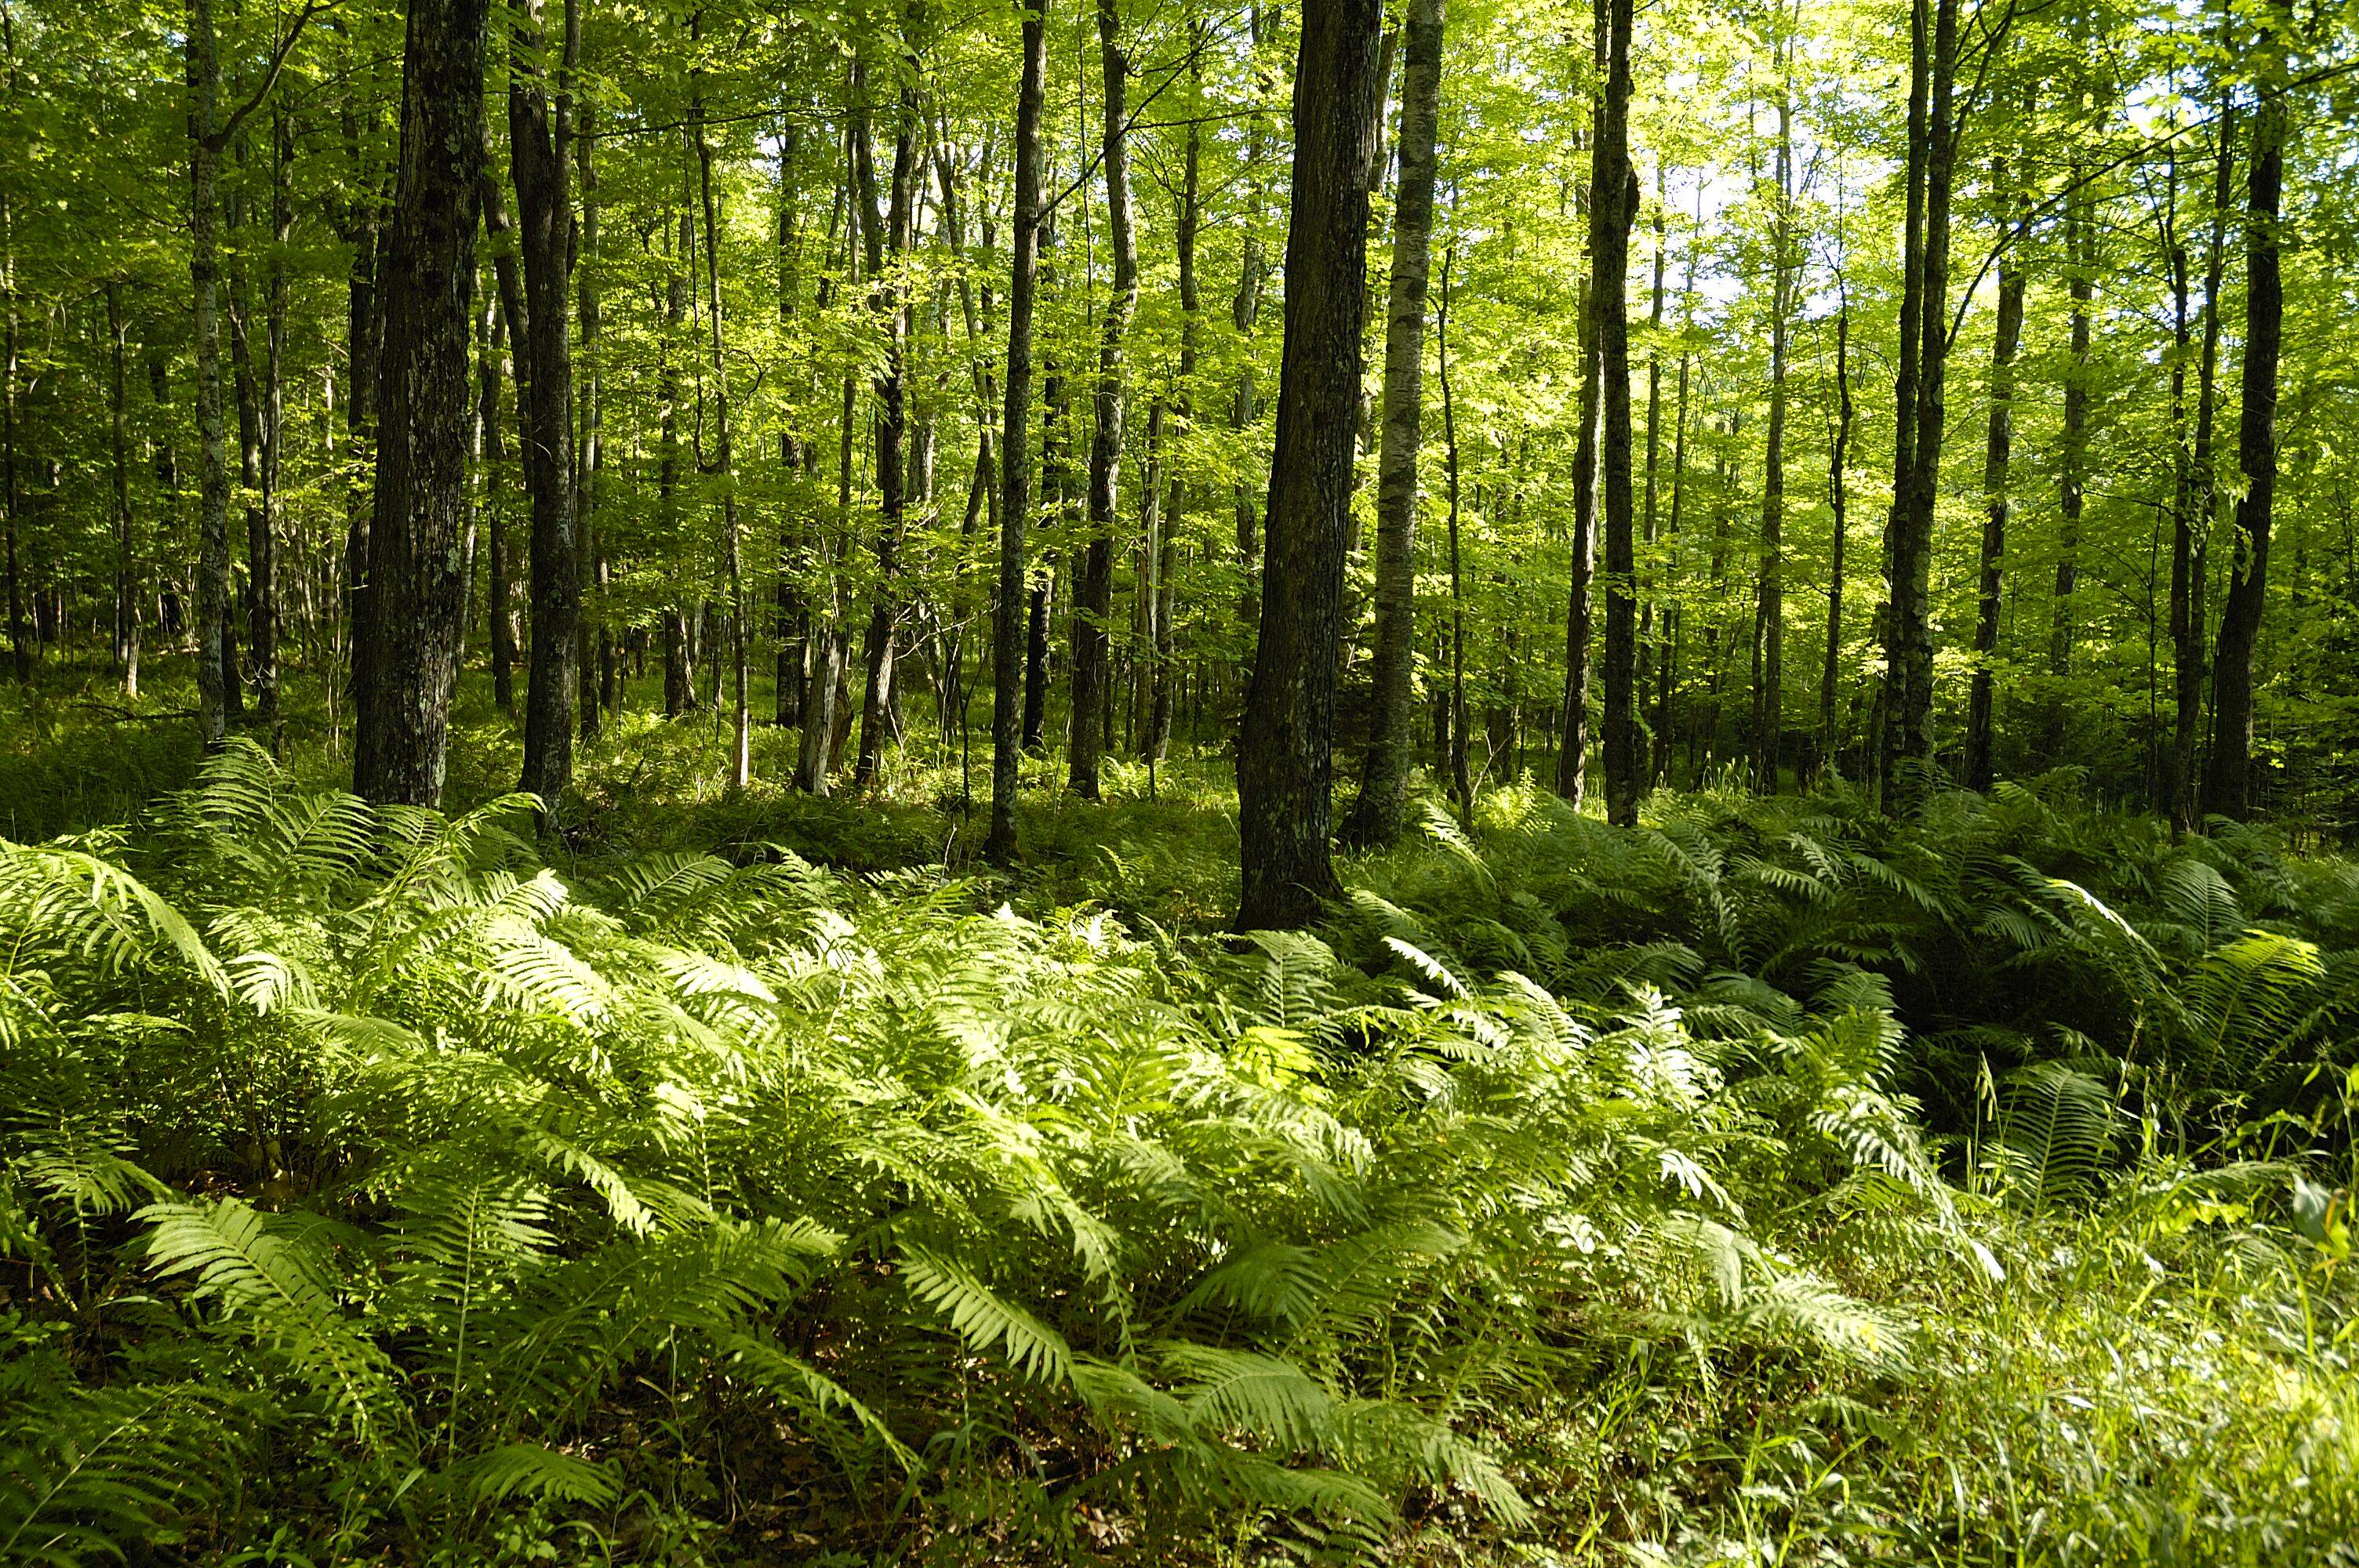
369, 1190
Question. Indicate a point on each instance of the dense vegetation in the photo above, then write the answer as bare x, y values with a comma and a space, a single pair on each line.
1767, 1183
1151, 783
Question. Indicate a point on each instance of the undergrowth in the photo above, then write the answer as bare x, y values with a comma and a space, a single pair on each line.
746, 1179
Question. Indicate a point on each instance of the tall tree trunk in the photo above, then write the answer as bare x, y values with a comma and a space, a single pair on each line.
1650, 612
1898, 650
1285, 752
540, 149
1244, 313
126, 591
1610, 267
788, 614
592, 635
1462, 785
1014, 445
2079, 260
1838, 456
1167, 575
1094, 590
413, 604
2190, 548
1573, 739
213, 691
741, 729
19, 644
2228, 782
1911, 724
1674, 615
1375, 817
500, 599
888, 251
262, 539
359, 221
1769, 612
1997, 450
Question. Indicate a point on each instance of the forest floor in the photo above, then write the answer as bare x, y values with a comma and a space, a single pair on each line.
751, 1179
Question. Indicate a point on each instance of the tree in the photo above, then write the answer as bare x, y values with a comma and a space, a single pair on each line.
423, 409
2228, 786
540, 151
1014, 446
1094, 590
1285, 750
1998, 453
1375, 816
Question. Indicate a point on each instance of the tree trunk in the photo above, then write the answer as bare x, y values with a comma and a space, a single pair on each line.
2191, 546
1093, 588
741, 730
1285, 750
1898, 648
592, 634
1997, 451
19, 644
540, 149
889, 296
213, 692
127, 590
502, 595
1911, 734
2228, 784
2080, 259
1014, 446
262, 540
1167, 574
1769, 612
413, 604
1375, 818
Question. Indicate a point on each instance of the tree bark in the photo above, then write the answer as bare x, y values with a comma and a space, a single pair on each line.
1014, 445
741, 729
19, 644
1769, 604
1911, 733
1375, 818
1285, 752
2228, 782
1898, 649
2190, 546
888, 252
594, 649
414, 600
1093, 588
212, 472
2080, 259
1997, 451
540, 151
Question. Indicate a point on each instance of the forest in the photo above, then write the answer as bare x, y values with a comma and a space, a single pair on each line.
1526, 782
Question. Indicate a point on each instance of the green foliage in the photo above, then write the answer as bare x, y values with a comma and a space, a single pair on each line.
466, 1205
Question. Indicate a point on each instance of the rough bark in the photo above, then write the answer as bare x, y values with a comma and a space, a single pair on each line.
414, 593
1377, 815
2191, 546
1910, 732
1285, 753
888, 251
1014, 446
1997, 450
540, 151
1769, 603
2228, 781
1094, 586
724, 456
